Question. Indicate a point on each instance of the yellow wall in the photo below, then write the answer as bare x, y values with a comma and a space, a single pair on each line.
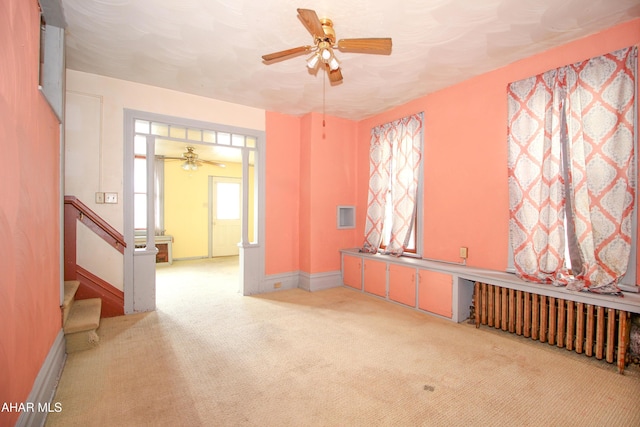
186, 206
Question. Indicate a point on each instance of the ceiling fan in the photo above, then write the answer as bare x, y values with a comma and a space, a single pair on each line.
324, 42
191, 161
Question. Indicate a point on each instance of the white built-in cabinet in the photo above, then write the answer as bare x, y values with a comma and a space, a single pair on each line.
402, 284
375, 280
445, 289
352, 271
408, 281
436, 292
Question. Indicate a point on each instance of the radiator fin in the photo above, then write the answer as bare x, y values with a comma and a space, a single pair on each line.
584, 328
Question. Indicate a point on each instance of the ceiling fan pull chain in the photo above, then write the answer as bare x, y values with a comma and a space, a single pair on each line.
324, 95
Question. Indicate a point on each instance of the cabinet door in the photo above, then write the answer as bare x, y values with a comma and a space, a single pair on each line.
435, 292
351, 271
375, 277
402, 284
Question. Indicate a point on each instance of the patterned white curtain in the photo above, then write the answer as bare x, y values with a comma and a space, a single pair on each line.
379, 173
395, 154
584, 112
600, 126
536, 185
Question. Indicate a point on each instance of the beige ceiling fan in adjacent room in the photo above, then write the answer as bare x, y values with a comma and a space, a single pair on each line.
191, 162
324, 44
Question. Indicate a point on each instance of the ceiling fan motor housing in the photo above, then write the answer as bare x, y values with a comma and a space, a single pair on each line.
189, 155
329, 32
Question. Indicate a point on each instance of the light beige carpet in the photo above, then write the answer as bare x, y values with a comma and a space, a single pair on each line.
211, 357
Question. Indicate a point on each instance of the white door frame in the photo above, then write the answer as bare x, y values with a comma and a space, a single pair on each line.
139, 287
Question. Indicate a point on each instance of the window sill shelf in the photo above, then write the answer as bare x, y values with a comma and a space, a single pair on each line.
629, 302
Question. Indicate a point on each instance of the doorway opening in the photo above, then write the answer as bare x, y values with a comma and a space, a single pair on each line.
225, 216
195, 194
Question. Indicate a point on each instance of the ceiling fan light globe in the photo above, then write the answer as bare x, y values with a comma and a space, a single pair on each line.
326, 54
334, 64
185, 166
312, 62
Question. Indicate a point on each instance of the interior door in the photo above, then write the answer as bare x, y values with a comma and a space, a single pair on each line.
226, 221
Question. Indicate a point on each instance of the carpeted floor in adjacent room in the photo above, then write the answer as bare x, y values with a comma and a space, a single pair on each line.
211, 357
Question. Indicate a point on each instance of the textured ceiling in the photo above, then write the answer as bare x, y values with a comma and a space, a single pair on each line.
213, 48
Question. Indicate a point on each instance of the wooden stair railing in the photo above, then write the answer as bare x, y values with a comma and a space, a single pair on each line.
90, 286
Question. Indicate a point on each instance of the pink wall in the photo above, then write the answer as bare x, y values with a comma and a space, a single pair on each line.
310, 171
304, 197
283, 187
465, 180
327, 161
332, 183
29, 203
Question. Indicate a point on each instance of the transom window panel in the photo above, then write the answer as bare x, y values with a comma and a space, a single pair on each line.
572, 173
195, 135
395, 159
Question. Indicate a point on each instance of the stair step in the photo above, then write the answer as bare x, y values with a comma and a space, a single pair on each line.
84, 316
80, 341
70, 289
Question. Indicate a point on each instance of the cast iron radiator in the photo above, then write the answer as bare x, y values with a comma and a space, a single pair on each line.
584, 328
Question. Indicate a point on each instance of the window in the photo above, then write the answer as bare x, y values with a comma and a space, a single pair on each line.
140, 193
43, 34
395, 181
228, 200
51, 70
572, 174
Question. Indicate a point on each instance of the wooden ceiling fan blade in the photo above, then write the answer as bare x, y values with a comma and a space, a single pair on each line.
311, 22
209, 162
335, 76
366, 45
285, 53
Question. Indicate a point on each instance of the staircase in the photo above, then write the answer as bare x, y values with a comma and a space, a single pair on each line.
80, 319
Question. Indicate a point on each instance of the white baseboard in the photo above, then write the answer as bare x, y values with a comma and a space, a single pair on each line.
302, 280
320, 281
45, 384
280, 282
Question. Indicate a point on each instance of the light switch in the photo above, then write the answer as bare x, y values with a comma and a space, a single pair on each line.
111, 197
464, 252
99, 198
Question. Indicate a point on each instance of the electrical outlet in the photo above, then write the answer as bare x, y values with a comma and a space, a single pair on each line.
464, 252
277, 285
99, 198
111, 197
